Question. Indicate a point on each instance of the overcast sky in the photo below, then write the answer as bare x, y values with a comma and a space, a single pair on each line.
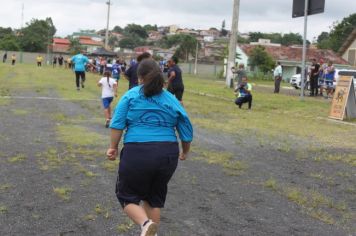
255, 15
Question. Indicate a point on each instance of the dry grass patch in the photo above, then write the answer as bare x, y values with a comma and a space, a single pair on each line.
63, 192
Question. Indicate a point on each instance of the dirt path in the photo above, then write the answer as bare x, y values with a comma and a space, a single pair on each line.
50, 186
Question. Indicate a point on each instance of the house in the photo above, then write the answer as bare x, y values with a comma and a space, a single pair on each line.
90, 44
212, 32
214, 50
187, 31
173, 29
60, 45
348, 49
291, 57
88, 34
154, 36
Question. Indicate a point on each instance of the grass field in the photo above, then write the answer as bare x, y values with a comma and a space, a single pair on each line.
284, 150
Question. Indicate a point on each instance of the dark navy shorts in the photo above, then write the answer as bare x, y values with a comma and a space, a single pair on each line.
144, 172
107, 102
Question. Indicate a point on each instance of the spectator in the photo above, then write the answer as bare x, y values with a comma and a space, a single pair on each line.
39, 60
149, 157
244, 93
4, 58
277, 73
329, 79
13, 59
314, 74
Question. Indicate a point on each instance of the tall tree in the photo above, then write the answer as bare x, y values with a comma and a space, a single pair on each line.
223, 31
37, 35
338, 33
291, 38
118, 29
75, 46
138, 30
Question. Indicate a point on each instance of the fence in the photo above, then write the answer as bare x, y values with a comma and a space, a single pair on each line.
28, 57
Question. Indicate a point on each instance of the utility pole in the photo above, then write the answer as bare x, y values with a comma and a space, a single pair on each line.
196, 58
107, 25
304, 47
233, 42
22, 18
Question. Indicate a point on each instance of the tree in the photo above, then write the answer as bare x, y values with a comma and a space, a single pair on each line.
150, 28
291, 38
75, 47
131, 41
186, 46
260, 58
118, 29
113, 41
133, 29
223, 31
37, 35
323, 40
9, 42
338, 33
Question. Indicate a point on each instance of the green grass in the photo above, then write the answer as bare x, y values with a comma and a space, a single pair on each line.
79, 136
19, 112
17, 158
63, 192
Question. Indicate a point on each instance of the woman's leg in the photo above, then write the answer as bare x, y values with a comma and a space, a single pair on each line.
136, 213
107, 114
153, 213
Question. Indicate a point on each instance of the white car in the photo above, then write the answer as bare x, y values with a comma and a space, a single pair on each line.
296, 81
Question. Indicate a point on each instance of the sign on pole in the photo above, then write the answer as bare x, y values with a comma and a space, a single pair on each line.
344, 101
314, 7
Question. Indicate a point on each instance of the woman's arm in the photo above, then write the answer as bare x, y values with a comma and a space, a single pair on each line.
185, 150
112, 151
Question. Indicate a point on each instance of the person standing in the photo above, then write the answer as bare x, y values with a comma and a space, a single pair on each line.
329, 79
13, 59
80, 62
175, 81
60, 61
55, 61
151, 116
241, 73
108, 91
39, 60
4, 57
131, 73
314, 75
116, 71
244, 93
277, 73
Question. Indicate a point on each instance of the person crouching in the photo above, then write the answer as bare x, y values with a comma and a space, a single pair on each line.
244, 93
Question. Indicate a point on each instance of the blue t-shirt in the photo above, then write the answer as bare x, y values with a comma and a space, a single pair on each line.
116, 70
151, 119
79, 61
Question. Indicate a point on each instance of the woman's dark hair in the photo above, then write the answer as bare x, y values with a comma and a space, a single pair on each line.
175, 59
143, 56
152, 77
108, 74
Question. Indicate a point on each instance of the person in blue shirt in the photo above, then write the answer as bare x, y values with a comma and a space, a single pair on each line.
150, 116
244, 93
80, 61
116, 71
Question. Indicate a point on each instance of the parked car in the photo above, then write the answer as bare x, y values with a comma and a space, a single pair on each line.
296, 82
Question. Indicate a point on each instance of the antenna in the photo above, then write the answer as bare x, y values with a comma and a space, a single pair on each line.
22, 14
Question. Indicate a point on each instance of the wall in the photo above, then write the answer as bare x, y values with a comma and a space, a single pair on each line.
27, 57
345, 56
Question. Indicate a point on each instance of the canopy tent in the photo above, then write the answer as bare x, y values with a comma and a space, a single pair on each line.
103, 52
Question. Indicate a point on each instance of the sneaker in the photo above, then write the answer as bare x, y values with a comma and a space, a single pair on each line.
149, 228
78, 88
107, 123
82, 83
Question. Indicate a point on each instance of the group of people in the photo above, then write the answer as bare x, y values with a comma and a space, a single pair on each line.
13, 58
321, 78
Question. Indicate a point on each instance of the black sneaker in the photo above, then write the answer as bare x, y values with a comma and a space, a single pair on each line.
82, 83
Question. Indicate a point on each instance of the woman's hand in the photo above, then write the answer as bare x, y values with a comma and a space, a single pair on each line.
183, 156
111, 153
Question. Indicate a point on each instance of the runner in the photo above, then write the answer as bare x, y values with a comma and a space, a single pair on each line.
151, 116
116, 71
80, 62
175, 81
108, 91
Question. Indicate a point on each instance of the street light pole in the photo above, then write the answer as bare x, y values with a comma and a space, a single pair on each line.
107, 25
233, 42
303, 74
196, 58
